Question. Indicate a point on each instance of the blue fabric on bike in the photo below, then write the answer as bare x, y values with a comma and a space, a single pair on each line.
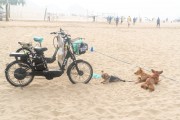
38, 39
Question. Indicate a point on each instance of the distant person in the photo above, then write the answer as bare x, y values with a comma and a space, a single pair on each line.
94, 18
122, 19
134, 21
110, 19
117, 20
129, 21
140, 19
158, 22
49, 18
166, 19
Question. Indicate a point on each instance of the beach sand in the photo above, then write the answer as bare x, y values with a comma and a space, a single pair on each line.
140, 45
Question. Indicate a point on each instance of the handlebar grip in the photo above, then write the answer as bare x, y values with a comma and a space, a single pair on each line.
53, 33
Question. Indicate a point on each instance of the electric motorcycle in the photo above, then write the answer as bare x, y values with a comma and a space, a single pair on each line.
32, 62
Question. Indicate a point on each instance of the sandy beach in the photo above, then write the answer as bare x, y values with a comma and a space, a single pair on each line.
141, 45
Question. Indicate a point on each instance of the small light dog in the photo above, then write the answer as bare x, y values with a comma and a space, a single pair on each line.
142, 75
153, 79
109, 78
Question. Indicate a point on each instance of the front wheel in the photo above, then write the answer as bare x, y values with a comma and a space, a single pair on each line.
19, 74
85, 72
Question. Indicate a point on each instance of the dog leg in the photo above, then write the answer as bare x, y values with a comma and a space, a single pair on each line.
104, 81
138, 80
144, 86
151, 87
156, 81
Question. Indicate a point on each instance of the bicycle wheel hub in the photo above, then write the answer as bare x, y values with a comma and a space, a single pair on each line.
20, 73
81, 73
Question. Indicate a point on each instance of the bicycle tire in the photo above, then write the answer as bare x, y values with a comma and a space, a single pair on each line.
72, 67
9, 66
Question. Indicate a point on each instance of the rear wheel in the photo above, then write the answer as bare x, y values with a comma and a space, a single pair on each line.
84, 75
19, 74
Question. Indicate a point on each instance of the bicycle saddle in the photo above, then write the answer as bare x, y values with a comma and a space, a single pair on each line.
38, 39
40, 49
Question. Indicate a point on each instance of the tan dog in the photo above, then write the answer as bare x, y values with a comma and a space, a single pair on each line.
142, 75
109, 78
154, 79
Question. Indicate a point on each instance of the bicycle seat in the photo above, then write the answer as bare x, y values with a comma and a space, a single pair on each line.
40, 49
38, 39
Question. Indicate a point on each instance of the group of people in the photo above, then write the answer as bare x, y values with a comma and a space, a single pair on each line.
118, 19
129, 20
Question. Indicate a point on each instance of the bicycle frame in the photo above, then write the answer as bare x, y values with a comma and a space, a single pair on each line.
69, 54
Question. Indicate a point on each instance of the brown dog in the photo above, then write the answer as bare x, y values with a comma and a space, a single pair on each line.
109, 78
142, 75
154, 79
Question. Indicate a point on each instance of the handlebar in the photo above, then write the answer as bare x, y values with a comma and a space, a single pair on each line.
62, 33
53, 33
59, 32
66, 37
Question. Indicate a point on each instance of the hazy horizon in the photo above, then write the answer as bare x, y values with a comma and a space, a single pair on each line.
146, 8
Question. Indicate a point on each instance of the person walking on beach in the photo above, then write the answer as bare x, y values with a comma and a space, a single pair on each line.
122, 19
94, 18
117, 20
134, 21
110, 19
49, 17
158, 22
129, 21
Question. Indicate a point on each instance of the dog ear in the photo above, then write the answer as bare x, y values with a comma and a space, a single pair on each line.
153, 71
160, 72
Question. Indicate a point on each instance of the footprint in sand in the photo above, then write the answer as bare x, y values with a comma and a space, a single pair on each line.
100, 110
153, 111
177, 105
113, 110
138, 98
134, 113
46, 107
56, 113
